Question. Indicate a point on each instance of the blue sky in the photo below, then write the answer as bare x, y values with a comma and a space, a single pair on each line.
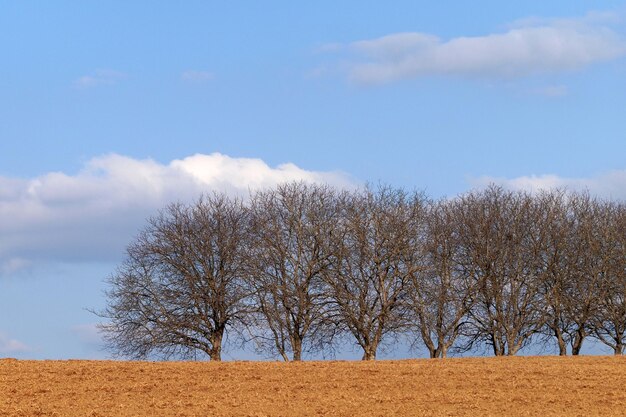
109, 110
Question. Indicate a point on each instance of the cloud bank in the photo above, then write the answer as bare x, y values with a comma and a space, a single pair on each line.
528, 47
611, 185
91, 216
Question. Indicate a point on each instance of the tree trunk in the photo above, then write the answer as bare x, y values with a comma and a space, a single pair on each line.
426, 337
513, 346
442, 348
429, 344
618, 349
578, 342
215, 354
435, 353
432, 352
498, 348
560, 342
442, 351
369, 353
297, 349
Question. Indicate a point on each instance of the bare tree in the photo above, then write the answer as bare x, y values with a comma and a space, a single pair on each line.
301, 264
610, 319
586, 255
370, 276
292, 226
439, 296
557, 261
180, 287
496, 255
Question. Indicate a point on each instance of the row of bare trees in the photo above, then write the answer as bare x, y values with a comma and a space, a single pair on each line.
300, 268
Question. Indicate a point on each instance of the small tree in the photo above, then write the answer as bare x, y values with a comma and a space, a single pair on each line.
180, 286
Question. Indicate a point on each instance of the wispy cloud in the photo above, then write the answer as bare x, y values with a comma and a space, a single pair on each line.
608, 185
100, 77
92, 215
10, 346
197, 76
528, 47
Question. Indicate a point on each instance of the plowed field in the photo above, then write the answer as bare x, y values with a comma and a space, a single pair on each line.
521, 386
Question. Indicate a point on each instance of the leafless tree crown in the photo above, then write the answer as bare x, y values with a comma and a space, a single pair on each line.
300, 267
181, 284
291, 252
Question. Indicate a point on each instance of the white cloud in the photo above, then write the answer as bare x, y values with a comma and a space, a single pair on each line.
529, 47
197, 76
92, 215
609, 185
9, 346
100, 77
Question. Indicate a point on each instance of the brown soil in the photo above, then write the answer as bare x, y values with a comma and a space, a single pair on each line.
520, 386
